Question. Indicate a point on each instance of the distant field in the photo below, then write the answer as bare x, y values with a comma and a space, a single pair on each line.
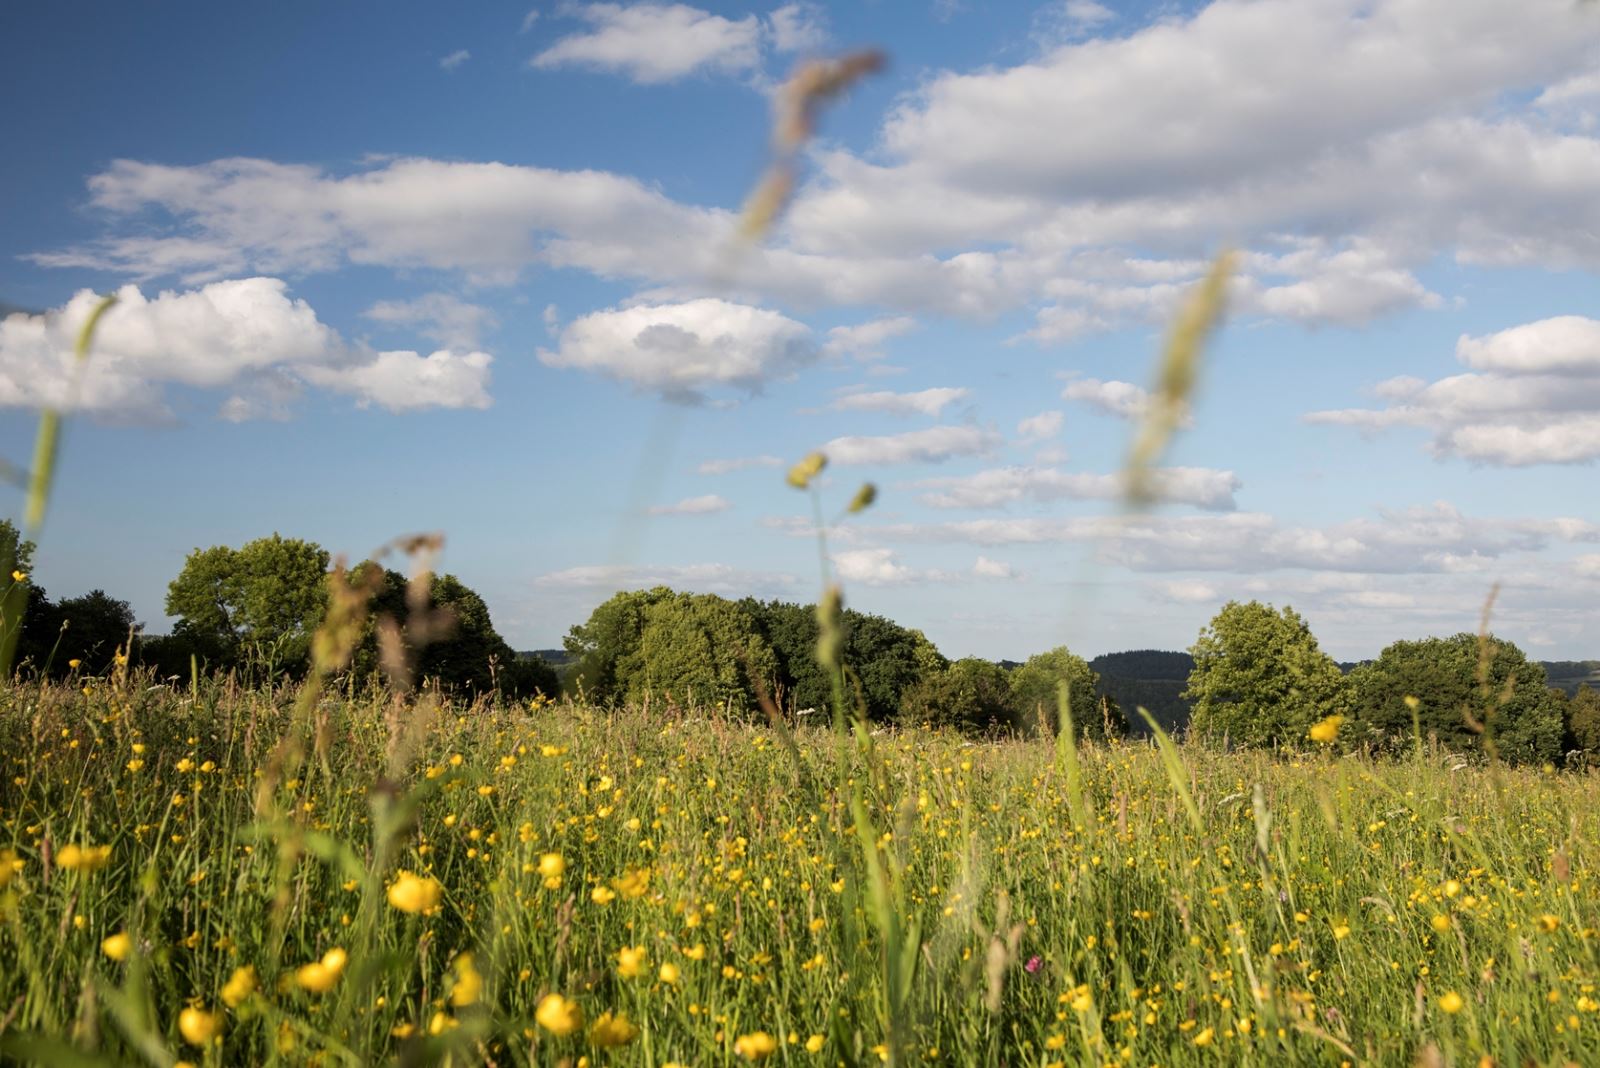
706, 883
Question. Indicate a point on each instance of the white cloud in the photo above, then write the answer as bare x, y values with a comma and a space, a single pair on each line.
1436, 539
723, 467
682, 350
653, 43
447, 319
1040, 427
1122, 399
933, 445
1188, 591
529, 19
873, 567
455, 59
724, 579
1535, 398
1199, 486
798, 27
405, 381
707, 504
245, 334
987, 568
923, 402
864, 340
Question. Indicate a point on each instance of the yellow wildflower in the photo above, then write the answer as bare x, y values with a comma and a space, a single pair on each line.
240, 985
197, 1026
609, 1031
320, 976
1451, 1002
117, 946
558, 1015
757, 1046
414, 893
469, 983
1326, 730
86, 858
631, 961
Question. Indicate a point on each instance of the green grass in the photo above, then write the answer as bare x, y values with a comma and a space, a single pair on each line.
1301, 905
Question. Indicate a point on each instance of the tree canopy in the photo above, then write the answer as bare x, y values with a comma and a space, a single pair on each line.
1035, 687
1459, 682
263, 599
1259, 677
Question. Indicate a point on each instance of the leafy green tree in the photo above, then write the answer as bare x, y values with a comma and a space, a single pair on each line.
469, 657
1034, 694
16, 559
97, 625
1259, 677
790, 630
971, 695
1583, 719
887, 660
702, 648
606, 646
266, 597
1511, 702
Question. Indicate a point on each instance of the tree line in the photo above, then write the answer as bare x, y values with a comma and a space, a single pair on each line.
255, 609
1258, 676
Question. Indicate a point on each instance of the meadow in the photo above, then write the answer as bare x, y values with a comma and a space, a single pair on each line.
213, 874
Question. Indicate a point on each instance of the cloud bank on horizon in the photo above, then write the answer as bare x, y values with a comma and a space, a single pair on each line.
961, 304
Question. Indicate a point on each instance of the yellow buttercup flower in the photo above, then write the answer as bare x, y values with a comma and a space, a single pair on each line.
19, 576
1451, 1002
117, 946
631, 961
86, 858
669, 972
1326, 730
414, 893
756, 1046
552, 866
609, 1031
320, 976
240, 985
558, 1015
197, 1026
814, 1044
1204, 1037
469, 983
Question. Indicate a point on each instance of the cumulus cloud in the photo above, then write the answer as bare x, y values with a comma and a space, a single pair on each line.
652, 43
444, 318
1122, 399
929, 402
708, 504
864, 340
933, 445
798, 27
1040, 427
1533, 398
873, 567
1199, 486
683, 350
700, 578
738, 463
996, 569
245, 334
1435, 539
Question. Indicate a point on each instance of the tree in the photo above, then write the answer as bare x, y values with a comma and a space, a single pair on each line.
1510, 701
469, 656
971, 695
97, 625
887, 660
704, 648
16, 559
1034, 695
607, 645
1259, 677
1583, 719
790, 630
266, 597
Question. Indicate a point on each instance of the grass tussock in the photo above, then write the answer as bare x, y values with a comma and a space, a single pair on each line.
537, 884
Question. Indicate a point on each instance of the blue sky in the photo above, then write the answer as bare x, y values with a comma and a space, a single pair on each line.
473, 268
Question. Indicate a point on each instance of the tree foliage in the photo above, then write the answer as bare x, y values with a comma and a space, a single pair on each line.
263, 599
1259, 677
1458, 682
1035, 687
1583, 719
971, 695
